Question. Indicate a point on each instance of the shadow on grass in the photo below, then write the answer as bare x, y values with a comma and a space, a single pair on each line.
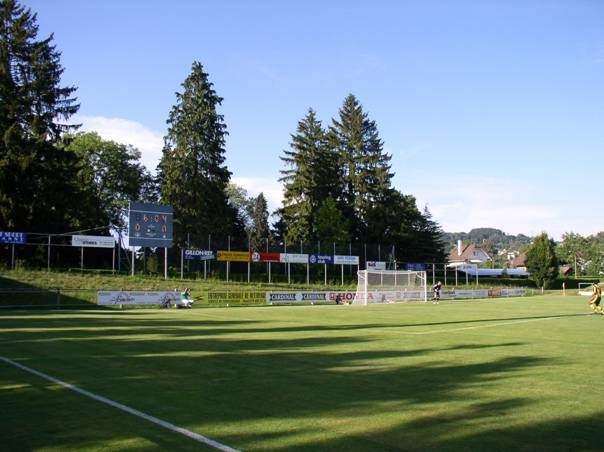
19, 295
209, 373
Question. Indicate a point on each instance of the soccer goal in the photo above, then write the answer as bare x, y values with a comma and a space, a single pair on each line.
390, 286
585, 289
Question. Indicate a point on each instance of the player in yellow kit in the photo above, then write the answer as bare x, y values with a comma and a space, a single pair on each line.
594, 301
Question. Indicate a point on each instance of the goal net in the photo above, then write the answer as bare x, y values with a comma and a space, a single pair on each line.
389, 286
585, 289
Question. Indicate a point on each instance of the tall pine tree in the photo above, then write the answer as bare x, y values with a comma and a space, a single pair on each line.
366, 179
260, 228
192, 172
38, 190
311, 176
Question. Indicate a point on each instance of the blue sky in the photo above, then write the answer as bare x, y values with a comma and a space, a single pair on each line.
493, 111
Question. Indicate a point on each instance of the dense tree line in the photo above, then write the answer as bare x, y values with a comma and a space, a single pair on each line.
337, 182
337, 178
338, 187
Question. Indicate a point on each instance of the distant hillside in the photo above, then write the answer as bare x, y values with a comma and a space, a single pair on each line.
492, 239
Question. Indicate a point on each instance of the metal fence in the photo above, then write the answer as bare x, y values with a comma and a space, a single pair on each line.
55, 252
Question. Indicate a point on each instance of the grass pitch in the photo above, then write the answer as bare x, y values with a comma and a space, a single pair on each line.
509, 374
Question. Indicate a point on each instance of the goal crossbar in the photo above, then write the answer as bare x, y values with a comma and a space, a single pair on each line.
390, 286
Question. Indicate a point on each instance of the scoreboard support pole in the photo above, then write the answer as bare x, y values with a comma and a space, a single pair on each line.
165, 263
132, 261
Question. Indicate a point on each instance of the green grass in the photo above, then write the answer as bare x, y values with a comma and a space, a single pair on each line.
516, 374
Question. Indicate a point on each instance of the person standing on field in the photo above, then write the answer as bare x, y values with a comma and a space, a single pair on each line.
594, 301
436, 292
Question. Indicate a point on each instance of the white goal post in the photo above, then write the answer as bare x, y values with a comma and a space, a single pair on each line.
585, 289
389, 286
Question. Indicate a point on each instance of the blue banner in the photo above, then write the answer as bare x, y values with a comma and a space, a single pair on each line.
411, 266
320, 259
200, 255
13, 237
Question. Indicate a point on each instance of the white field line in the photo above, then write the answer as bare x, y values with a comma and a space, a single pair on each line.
192, 435
491, 325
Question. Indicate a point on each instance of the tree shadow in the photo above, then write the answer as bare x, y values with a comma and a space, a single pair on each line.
206, 373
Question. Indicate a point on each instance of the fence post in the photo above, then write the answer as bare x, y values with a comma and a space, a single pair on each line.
48, 256
58, 297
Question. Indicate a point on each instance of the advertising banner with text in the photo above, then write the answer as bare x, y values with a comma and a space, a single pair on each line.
135, 298
320, 259
226, 297
266, 257
199, 255
93, 241
290, 258
13, 237
345, 260
233, 256
376, 265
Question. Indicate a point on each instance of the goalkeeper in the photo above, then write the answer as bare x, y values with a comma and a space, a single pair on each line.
436, 293
594, 301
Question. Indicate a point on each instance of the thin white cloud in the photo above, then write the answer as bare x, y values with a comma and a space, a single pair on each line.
462, 203
126, 131
150, 143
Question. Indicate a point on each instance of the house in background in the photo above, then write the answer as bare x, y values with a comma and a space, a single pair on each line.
467, 259
468, 254
519, 262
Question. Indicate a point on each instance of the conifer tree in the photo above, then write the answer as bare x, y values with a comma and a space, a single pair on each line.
366, 179
37, 178
260, 231
331, 224
192, 172
311, 176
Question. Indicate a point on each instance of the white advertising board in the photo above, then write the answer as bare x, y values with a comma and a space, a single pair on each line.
376, 265
133, 297
290, 258
93, 241
345, 260
296, 297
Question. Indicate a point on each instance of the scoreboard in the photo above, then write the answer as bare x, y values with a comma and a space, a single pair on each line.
150, 225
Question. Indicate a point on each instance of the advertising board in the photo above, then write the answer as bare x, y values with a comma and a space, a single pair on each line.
285, 297
92, 241
13, 237
136, 298
226, 297
199, 255
345, 260
376, 265
233, 256
291, 258
265, 257
320, 259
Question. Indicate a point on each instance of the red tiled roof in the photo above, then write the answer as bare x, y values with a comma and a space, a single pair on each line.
467, 253
519, 261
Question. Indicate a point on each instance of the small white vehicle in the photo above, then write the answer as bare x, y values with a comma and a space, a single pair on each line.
185, 300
